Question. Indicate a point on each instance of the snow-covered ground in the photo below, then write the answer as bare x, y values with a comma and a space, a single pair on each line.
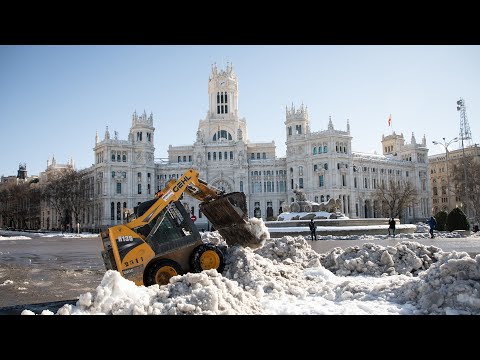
286, 276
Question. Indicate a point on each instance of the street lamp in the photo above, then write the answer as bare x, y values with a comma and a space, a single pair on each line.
445, 145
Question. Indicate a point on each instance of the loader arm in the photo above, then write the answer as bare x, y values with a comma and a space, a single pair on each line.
190, 183
227, 212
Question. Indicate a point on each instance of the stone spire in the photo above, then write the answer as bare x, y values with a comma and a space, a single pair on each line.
330, 124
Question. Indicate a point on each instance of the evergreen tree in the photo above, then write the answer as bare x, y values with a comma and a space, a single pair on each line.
456, 220
441, 218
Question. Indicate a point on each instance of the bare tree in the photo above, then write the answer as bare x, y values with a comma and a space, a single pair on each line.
77, 197
395, 197
7, 192
55, 194
472, 167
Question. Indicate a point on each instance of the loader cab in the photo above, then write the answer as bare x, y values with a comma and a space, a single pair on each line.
171, 229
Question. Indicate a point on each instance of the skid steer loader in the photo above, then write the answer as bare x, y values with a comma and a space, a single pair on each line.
162, 241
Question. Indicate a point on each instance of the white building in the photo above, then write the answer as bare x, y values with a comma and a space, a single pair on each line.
321, 162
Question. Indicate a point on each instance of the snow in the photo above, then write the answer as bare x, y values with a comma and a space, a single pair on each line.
287, 216
286, 276
27, 235
296, 229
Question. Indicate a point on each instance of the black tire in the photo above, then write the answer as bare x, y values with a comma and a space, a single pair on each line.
161, 271
207, 256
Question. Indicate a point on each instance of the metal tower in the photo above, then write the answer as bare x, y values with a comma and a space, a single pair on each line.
465, 134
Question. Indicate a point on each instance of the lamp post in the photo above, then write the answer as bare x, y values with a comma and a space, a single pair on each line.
445, 145
464, 135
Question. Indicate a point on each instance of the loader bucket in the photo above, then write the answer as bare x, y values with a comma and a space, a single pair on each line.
229, 216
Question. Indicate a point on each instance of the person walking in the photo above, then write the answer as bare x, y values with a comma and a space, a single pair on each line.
433, 224
391, 227
313, 229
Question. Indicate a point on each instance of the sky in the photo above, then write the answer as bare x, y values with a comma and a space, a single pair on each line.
53, 99
287, 277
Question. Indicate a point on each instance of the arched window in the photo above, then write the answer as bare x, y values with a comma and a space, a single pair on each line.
209, 156
320, 149
214, 156
119, 211
124, 158
328, 197
325, 166
325, 149
315, 150
231, 155
322, 198
315, 167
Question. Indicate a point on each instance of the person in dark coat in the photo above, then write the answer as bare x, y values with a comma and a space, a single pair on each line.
433, 224
391, 227
313, 229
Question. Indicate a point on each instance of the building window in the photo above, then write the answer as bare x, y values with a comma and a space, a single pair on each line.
298, 129
184, 158
139, 175
328, 197
315, 150
325, 149
325, 166
258, 156
112, 211
139, 188
190, 158
119, 211
119, 187
148, 189
179, 159
231, 155
118, 157
241, 186
300, 170
289, 130
344, 180
113, 174
113, 155
321, 181
264, 155
209, 156
214, 156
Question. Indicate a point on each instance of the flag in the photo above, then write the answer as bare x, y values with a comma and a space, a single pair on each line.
390, 120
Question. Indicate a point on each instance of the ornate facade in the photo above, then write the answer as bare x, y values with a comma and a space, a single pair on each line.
322, 163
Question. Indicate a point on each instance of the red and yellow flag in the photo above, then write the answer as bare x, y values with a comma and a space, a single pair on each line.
390, 120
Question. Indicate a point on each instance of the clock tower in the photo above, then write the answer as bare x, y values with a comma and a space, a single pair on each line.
223, 93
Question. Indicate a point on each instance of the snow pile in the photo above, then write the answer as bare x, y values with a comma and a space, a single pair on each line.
406, 257
6, 282
205, 293
450, 286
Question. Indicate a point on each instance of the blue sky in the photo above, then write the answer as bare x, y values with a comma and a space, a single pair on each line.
54, 98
